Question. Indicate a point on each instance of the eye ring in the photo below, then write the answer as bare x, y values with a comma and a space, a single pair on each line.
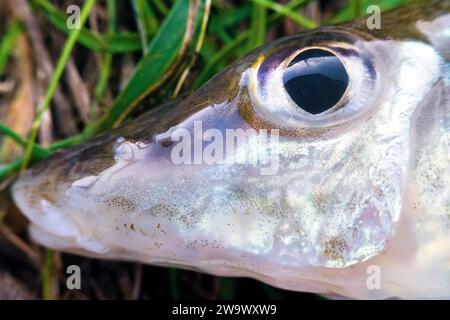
269, 106
344, 96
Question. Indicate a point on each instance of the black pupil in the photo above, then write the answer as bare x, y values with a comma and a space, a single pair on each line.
315, 80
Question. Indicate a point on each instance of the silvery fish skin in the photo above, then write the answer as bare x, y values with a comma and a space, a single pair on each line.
364, 187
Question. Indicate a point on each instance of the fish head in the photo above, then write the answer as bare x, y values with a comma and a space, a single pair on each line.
299, 165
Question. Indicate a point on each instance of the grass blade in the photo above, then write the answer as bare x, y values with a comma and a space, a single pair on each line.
160, 6
7, 44
9, 168
47, 292
145, 21
86, 9
105, 68
198, 47
284, 10
230, 17
155, 67
355, 8
37, 150
258, 27
208, 70
118, 42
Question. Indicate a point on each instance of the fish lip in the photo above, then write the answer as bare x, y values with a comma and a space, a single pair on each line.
49, 225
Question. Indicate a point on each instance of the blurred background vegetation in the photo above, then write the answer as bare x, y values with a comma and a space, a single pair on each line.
61, 86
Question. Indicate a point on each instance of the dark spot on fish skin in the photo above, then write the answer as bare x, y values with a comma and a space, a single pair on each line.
166, 143
204, 243
120, 202
188, 219
334, 249
265, 207
162, 210
321, 201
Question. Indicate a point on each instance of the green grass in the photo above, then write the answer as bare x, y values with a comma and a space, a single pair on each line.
222, 33
198, 47
117, 42
158, 62
286, 11
105, 69
46, 274
12, 33
36, 150
71, 40
258, 26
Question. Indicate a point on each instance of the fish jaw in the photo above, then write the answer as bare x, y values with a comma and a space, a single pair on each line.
337, 204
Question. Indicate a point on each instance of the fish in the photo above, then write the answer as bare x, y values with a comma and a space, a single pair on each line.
319, 162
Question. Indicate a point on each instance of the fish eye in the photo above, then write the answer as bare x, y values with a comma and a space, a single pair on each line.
316, 80
329, 81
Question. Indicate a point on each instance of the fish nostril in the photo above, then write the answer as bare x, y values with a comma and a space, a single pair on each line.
166, 142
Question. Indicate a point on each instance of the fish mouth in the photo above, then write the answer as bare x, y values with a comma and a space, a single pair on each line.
50, 225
